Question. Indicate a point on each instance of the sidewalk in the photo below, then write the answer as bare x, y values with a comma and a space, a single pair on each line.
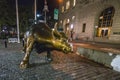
107, 47
63, 66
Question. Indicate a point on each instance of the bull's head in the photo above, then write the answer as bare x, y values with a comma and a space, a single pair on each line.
61, 42
66, 47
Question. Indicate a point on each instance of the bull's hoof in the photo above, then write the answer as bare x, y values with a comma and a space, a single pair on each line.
24, 65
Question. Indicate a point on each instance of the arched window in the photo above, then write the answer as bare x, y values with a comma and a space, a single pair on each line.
105, 19
67, 5
105, 22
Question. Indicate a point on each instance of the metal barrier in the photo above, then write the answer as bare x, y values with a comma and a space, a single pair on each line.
12, 40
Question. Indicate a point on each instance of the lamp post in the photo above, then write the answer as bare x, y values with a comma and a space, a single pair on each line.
18, 33
45, 10
95, 32
35, 8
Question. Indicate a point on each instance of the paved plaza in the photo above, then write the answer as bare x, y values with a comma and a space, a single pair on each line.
63, 67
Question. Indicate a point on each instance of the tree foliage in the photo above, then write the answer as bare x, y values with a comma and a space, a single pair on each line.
25, 14
7, 13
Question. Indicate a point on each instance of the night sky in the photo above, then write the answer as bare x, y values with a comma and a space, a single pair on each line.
52, 4
40, 4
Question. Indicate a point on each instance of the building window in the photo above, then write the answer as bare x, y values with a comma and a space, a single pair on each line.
68, 20
63, 9
105, 22
73, 17
67, 5
60, 21
84, 27
105, 19
74, 3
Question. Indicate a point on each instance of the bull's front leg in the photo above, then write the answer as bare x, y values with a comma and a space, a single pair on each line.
25, 62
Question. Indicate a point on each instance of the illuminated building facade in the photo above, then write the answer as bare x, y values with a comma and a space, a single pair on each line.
92, 20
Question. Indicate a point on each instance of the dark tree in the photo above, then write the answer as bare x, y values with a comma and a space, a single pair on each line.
7, 13
25, 14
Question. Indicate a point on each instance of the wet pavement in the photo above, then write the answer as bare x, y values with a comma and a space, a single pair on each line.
63, 67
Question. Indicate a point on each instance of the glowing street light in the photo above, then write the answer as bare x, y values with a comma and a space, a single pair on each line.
60, 1
38, 15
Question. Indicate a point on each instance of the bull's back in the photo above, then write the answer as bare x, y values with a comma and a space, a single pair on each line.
41, 30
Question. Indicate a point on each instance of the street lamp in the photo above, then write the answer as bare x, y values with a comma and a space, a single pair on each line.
38, 15
45, 9
95, 32
60, 1
18, 33
35, 11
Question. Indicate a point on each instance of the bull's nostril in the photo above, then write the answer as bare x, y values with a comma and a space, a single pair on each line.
64, 50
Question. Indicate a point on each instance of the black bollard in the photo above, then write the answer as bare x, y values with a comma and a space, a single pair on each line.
23, 42
49, 59
5, 42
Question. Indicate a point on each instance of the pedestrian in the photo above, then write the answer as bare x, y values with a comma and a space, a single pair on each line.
5, 42
72, 35
23, 42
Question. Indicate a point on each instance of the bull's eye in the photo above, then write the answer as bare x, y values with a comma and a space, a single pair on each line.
63, 42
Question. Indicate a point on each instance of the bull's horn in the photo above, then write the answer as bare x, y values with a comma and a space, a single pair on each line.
55, 26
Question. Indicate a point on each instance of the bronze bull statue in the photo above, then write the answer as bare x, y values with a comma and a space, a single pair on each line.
44, 39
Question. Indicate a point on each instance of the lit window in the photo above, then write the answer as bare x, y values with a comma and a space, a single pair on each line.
71, 26
73, 17
68, 20
74, 3
63, 9
105, 19
61, 21
67, 4
105, 22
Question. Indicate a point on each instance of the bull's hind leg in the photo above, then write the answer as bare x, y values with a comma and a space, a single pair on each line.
29, 46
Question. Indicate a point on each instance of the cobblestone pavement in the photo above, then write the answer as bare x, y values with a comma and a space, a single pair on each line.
63, 66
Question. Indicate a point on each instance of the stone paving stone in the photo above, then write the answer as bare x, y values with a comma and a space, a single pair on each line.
63, 66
